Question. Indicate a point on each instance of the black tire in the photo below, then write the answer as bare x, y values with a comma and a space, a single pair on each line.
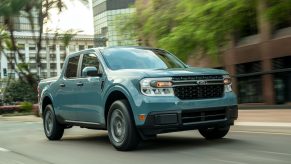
214, 133
53, 130
121, 128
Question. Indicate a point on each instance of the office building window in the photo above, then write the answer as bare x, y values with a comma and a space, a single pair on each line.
282, 79
250, 89
249, 85
53, 66
21, 46
32, 47
251, 67
72, 48
81, 47
62, 48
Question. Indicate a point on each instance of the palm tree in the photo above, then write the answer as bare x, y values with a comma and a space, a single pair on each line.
67, 38
11, 9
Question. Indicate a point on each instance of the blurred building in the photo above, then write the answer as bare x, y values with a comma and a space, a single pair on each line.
52, 54
259, 62
108, 14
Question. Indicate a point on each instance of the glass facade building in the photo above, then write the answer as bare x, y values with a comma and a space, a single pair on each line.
21, 22
108, 14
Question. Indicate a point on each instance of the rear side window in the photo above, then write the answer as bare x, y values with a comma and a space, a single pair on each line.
72, 68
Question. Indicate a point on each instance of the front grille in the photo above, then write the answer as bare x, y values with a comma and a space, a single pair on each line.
199, 91
193, 116
188, 87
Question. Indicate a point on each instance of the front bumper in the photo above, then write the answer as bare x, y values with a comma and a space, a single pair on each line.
171, 121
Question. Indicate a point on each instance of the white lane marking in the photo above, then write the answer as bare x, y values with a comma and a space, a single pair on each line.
271, 124
277, 133
272, 152
4, 150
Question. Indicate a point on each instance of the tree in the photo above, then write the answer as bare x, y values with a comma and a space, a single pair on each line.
67, 37
5, 44
11, 9
190, 27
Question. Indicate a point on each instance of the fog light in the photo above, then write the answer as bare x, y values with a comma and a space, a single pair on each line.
142, 117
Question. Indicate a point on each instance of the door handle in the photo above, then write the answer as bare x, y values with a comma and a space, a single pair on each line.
80, 84
62, 85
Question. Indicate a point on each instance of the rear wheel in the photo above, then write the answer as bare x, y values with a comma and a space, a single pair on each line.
53, 130
121, 128
214, 133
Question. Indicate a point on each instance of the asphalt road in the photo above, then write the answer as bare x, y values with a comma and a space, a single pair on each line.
25, 143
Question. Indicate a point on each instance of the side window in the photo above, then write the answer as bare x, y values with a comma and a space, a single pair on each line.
91, 60
72, 68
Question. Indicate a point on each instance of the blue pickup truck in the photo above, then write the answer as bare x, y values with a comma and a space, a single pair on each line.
136, 93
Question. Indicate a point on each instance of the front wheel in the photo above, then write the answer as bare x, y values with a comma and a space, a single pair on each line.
214, 133
121, 128
52, 128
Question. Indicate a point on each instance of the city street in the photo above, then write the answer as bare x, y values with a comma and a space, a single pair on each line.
23, 142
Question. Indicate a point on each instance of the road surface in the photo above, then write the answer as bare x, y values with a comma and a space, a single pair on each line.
25, 143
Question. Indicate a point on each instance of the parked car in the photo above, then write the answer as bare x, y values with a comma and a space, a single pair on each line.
136, 93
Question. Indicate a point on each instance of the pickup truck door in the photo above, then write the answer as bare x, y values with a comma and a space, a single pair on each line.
66, 96
89, 97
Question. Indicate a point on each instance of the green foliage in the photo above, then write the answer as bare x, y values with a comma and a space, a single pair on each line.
18, 91
206, 25
188, 27
25, 106
5, 42
123, 23
67, 36
280, 12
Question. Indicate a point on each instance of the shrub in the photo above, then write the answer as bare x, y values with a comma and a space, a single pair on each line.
25, 107
19, 91
9, 109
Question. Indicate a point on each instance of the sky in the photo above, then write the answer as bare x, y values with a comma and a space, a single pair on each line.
77, 16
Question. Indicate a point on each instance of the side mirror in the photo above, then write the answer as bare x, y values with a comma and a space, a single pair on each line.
90, 72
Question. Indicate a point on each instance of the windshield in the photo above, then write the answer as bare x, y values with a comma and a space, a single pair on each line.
137, 58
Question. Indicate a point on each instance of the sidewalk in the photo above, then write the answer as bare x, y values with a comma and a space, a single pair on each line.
264, 118
276, 115
27, 118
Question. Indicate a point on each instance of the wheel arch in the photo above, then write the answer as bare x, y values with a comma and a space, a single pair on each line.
117, 94
45, 101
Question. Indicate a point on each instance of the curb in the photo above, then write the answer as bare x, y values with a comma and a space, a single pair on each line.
265, 124
263, 107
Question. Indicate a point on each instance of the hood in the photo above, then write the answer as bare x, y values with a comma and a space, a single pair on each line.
191, 71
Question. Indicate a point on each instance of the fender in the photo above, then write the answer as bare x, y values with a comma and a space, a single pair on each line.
132, 96
122, 89
45, 93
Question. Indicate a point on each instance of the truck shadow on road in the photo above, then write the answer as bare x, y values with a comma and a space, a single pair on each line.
166, 142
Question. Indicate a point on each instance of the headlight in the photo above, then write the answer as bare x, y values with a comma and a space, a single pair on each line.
227, 83
157, 87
